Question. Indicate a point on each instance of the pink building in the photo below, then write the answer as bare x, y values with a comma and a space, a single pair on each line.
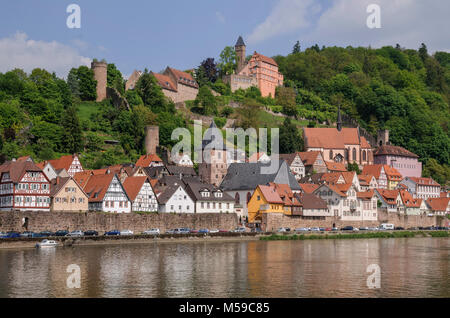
404, 161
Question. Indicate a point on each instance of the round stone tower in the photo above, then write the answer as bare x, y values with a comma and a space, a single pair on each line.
151, 139
100, 74
383, 137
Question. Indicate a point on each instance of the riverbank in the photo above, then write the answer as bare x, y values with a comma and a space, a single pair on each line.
394, 234
25, 243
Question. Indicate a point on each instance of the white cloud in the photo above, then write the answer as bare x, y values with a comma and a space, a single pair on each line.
220, 17
286, 16
407, 22
20, 52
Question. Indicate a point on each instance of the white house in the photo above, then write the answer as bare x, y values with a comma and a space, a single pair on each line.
422, 188
295, 163
141, 194
390, 200
107, 194
209, 199
174, 198
183, 160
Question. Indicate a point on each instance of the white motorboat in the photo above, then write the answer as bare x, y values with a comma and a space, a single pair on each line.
46, 243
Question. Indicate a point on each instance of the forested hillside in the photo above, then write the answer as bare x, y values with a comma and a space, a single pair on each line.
406, 91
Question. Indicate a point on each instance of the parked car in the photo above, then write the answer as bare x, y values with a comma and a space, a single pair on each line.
315, 229
399, 228
61, 233
184, 230
334, 229
257, 230
91, 233
214, 231
373, 229
112, 233
239, 230
302, 229
223, 231
171, 231
413, 228
77, 233
126, 232
2, 234
364, 228
27, 234
193, 231
328, 229
429, 228
203, 231
347, 228
152, 232
12, 234
355, 229
46, 234
386, 226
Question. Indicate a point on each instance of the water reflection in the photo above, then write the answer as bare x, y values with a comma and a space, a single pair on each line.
409, 268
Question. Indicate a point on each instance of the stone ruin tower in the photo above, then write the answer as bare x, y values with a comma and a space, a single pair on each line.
240, 54
100, 74
151, 139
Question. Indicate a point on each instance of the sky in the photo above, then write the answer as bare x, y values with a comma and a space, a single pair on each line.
139, 34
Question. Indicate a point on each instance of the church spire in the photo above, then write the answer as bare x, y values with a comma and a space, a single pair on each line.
339, 120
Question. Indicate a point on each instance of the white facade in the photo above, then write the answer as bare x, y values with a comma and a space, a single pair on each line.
217, 206
75, 166
183, 161
179, 202
298, 168
49, 171
422, 191
146, 200
114, 201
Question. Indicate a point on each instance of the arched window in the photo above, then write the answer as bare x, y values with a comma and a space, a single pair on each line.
249, 196
237, 198
354, 154
331, 154
346, 154
364, 155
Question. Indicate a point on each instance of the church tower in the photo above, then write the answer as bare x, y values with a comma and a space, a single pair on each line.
240, 54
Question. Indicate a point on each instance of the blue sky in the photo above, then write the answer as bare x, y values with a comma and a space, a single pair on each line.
138, 34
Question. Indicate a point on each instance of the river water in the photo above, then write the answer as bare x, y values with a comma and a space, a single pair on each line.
410, 267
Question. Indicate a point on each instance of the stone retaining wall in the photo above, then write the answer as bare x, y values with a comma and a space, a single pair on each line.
273, 221
101, 222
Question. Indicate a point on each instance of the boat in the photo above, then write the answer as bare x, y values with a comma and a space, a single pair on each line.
46, 243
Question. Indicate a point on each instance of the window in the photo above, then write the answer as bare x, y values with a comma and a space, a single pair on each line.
331, 154
237, 198
364, 155
354, 154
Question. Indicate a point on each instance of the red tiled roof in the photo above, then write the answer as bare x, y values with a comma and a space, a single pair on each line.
62, 163
331, 177
311, 201
389, 196
364, 143
335, 166
256, 156
82, 177
309, 157
365, 179
286, 194
97, 186
348, 176
270, 194
133, 185
265, 59
343, 187
308, 187
330, 138
395, 151
408, 199
165, 82
366, 195
375, 170
97, 172
17, 169
438, 204
425, 181
183, 77
146, 160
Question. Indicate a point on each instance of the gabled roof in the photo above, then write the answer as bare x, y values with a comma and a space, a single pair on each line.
309, 157
97, 186
312, 201
330, 138
348, 176
247, 176
408, 199
165, 82
62, 163
365, 179
438, 204
308, 187
394, 151
184, 171
17, 169
366, 195
59, 182
182, 77
256, 156
424, 181
146, 160
335, 166
240, 41
289, 157
195, 188
83, 177
331, 177
390, 196
265, 59
270, 194
133, 186
332, 188
286, 194
168, 192
374, 170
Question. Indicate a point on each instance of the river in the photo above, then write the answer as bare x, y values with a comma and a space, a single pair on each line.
410, 267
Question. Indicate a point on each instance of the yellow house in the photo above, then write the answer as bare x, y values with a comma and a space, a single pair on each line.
265, 199
67, 195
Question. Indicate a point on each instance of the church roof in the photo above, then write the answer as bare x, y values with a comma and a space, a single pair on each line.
394, 150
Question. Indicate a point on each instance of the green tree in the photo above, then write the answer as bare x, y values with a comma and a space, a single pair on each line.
151, 93
205, 101
115, 79
296, 48
290, 139
423, 52
72, 135
353, 167
87, 83
227, 62
248, 114
285, 96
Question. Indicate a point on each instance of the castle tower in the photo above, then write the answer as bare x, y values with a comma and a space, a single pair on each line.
383, 137
100, 75
240, 54
151, 139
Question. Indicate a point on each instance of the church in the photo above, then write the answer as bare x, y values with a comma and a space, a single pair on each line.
344, 145
260, 71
